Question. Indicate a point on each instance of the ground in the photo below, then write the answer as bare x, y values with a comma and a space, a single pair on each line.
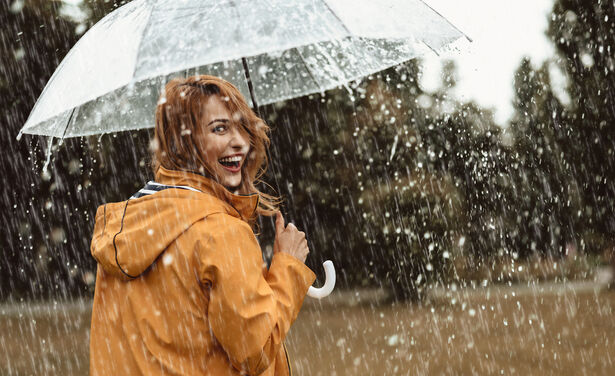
522, 330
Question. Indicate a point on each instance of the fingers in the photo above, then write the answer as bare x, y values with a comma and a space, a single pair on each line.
279, 222
303, 244
305, 251
289, 239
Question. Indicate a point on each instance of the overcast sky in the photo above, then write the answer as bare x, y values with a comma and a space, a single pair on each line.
503, 31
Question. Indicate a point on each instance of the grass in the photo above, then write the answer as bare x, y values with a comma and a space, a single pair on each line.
504, 269
559, 332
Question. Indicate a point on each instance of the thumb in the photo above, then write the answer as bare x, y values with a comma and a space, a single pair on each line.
279, 222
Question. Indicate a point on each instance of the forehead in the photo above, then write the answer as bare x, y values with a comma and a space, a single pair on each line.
215, 108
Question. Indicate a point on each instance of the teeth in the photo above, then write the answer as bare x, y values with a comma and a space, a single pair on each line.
231, 159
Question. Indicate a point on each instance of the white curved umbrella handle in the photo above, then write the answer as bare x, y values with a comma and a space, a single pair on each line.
325, 290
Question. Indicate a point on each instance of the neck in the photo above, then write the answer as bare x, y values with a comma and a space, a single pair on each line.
234, 190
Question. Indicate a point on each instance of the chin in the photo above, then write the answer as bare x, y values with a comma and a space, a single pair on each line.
232, 182
232, 185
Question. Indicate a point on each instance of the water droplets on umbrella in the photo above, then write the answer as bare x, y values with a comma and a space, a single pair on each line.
317, 47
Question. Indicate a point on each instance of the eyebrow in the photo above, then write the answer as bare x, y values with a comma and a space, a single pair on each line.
220, 120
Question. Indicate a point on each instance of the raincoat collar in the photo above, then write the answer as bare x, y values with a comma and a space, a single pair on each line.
241, 206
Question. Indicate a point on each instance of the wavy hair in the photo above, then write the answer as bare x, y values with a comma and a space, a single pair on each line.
178, 117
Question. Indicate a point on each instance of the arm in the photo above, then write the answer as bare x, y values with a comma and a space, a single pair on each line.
248, 314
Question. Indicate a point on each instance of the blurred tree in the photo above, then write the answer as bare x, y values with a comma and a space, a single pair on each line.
48, 217
409, 218
544, 199
390, 182
584, 35
33, 41
473, 154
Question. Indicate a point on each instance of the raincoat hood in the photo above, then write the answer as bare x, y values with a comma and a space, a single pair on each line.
129, 236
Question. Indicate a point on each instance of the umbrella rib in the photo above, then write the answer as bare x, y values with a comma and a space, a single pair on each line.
336, 16
246, 72
447, 21
334, 67
181, 16
68, 122
431, 48
309, 70
145, 29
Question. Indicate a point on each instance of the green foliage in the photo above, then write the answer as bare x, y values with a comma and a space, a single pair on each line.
565, 151
545, 189
48, 217
397, 185
387, 185
584, 35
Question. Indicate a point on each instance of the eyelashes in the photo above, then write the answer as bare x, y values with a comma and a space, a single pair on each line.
222, 128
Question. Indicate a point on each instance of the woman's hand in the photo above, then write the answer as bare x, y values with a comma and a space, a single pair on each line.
289, 239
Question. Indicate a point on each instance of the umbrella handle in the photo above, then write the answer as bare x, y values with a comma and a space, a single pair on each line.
327, 288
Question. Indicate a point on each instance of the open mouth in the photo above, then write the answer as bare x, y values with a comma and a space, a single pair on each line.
232, 164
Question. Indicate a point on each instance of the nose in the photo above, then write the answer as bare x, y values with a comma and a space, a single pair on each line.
238, 139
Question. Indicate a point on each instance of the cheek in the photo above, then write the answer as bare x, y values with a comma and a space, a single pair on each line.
207, 147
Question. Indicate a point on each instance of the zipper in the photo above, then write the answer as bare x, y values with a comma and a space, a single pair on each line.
290, 369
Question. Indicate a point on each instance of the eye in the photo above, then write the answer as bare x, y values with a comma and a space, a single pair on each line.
219, 128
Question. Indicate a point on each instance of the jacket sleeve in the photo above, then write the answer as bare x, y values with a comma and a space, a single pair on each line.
249, 314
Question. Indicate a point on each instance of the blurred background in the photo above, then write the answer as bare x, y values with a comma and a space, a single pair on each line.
466, 199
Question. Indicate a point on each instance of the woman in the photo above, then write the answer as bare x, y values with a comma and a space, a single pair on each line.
181, 286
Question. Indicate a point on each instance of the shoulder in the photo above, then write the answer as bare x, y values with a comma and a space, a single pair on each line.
221, 226
222, 241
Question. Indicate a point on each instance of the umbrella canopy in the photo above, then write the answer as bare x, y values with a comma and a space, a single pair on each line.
271, 50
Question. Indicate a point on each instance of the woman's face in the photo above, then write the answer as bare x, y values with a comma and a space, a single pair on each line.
224, 142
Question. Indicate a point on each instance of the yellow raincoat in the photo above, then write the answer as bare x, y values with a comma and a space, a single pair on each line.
182, 289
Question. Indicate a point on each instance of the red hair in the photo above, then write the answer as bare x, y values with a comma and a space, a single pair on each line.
178, 116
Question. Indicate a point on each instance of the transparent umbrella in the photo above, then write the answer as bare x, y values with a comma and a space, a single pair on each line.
272, 50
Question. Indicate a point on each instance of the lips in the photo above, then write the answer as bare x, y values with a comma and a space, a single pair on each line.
231, 163
232, 169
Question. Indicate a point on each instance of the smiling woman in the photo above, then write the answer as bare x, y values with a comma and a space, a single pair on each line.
202, 119
225, 143
180, 287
